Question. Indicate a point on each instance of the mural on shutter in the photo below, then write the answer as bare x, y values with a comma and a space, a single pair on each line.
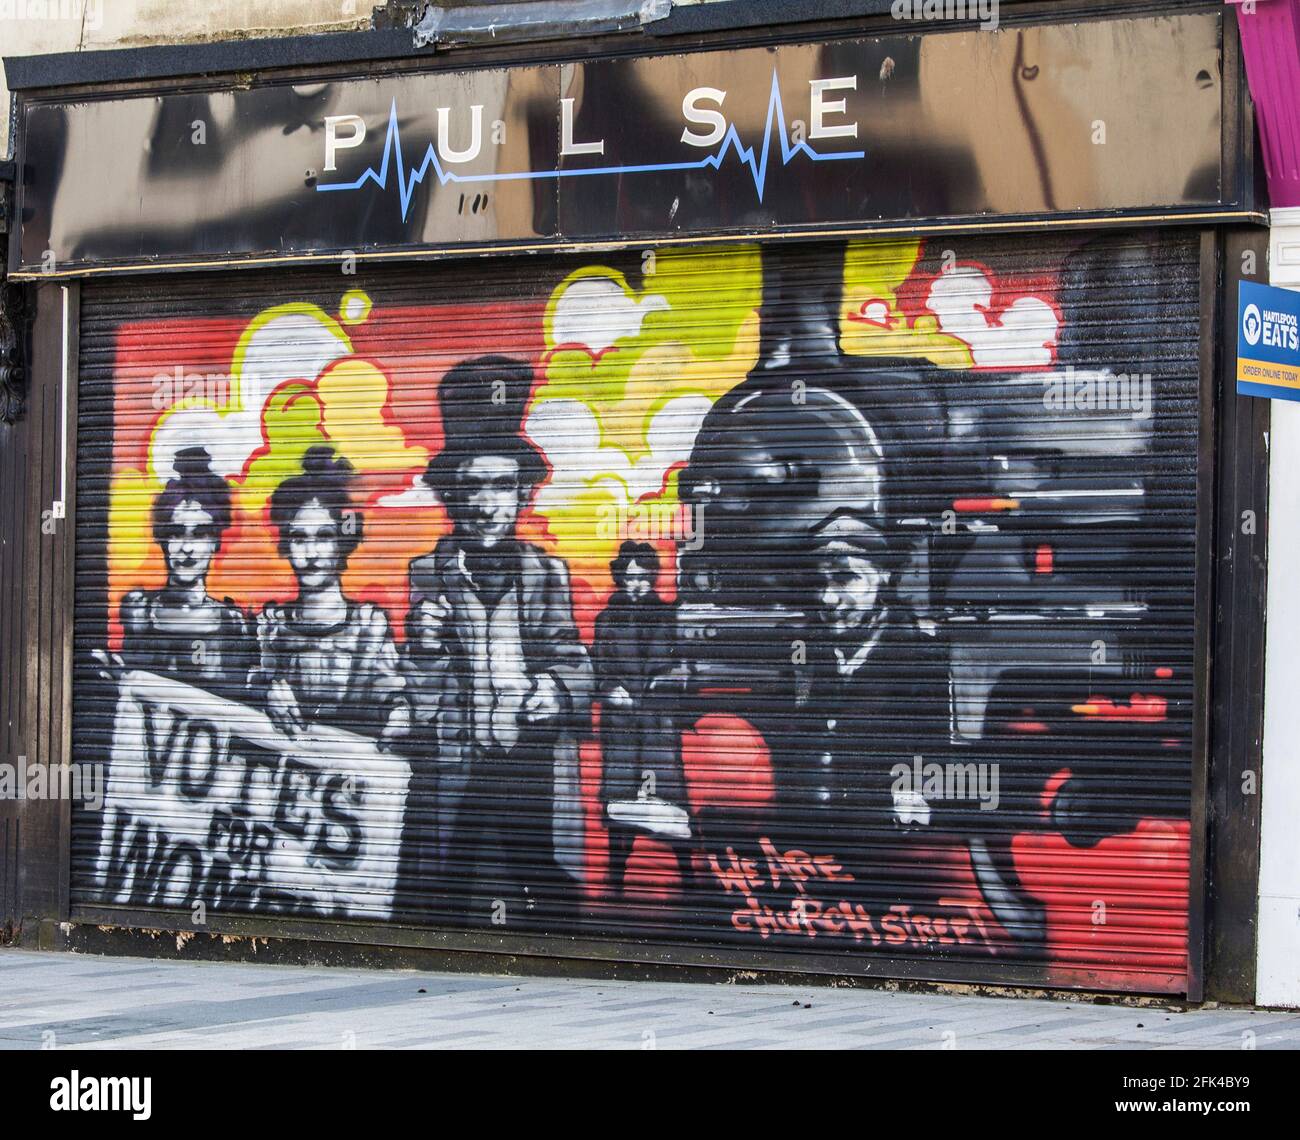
831, 598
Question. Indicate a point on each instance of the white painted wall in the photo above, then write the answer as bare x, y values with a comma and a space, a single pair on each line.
1278, 981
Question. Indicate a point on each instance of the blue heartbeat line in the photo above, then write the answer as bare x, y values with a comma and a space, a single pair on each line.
409, 178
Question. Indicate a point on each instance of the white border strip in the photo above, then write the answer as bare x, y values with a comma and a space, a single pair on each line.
59, 508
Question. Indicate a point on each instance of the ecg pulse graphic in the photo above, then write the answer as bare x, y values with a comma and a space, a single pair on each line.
408, 178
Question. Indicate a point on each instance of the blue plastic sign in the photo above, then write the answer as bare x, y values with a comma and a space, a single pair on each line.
1268, 341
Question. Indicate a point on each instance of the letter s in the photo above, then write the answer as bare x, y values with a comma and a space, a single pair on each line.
338, 856
703, 116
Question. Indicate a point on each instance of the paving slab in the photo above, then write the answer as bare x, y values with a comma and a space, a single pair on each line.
116, 1003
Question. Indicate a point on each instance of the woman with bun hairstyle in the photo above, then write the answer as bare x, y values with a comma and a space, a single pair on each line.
324, 658
181, 631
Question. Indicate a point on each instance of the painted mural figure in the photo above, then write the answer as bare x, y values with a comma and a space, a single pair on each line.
643, 786
181, 631
324, 658
876, 686
503, 682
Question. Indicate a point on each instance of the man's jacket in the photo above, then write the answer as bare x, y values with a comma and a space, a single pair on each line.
450, 690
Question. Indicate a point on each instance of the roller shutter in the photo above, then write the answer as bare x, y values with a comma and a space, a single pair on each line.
359, 637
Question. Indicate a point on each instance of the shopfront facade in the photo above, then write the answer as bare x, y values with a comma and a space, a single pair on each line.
758, 499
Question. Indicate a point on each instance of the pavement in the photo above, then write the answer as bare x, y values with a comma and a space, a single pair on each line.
59, 999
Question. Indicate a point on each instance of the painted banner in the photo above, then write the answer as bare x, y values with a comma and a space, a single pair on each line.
278, 813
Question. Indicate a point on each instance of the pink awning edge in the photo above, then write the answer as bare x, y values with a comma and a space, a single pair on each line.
1270, 41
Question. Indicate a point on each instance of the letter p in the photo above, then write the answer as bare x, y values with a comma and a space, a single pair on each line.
333, 143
